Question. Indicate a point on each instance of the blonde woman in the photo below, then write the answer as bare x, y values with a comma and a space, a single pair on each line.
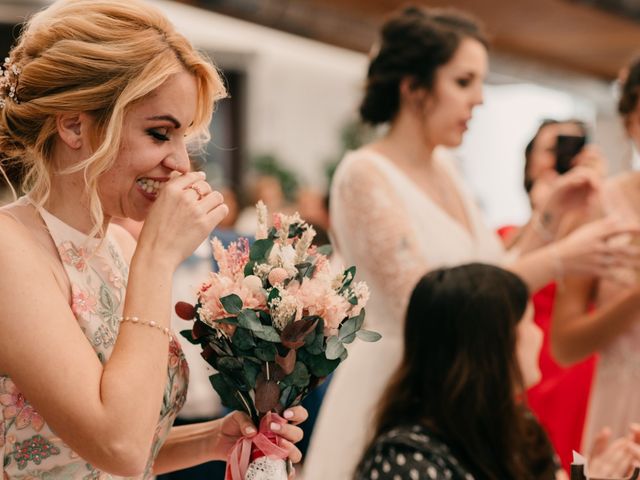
99, 102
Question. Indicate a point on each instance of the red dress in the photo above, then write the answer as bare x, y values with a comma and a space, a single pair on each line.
560, 399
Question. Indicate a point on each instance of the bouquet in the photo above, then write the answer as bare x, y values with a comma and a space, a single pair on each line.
273, 322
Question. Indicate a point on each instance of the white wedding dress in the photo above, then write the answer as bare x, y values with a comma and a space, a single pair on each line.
394, 233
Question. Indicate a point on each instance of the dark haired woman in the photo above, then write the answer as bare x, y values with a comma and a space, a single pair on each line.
613, 329
452, 409
399, 209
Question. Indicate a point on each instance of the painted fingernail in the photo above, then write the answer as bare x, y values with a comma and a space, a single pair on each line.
250, 430
288, 414
275, 427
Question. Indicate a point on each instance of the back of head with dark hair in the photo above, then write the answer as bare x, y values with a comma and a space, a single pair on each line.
459, 376
414, 43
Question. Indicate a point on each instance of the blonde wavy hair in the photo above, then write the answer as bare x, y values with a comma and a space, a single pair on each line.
96, 56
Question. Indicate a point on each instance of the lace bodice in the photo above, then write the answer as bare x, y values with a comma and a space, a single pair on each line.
394, 233
97, 274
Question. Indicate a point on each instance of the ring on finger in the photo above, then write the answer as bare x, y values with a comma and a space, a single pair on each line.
197, 189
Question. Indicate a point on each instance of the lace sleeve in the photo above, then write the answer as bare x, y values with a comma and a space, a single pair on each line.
374, 232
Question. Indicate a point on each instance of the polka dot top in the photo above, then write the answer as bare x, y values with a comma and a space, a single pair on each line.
415, 453
410, 453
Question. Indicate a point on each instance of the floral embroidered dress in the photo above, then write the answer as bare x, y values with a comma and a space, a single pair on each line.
98, 275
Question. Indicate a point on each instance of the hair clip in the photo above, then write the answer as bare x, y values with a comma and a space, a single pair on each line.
9, 82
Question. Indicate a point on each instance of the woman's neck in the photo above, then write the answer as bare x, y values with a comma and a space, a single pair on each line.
407, 144
69, 202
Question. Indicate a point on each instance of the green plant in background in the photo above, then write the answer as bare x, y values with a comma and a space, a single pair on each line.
268, 164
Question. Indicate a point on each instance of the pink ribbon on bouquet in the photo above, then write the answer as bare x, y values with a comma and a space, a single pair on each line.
240, 455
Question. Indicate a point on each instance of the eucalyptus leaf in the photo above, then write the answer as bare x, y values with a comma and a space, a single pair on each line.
359, 319
232, 304
268, 333
251, 371
348, 329
319, 365
229, 364
334, 348
226, 392
349, 339
316, 346
228, 320
266, 352
243, 339
248, 268
300, 375
288, 396
260, 250
248, 319
368, 336
267, 395
287, 362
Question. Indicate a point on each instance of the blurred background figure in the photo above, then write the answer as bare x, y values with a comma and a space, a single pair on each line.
266, 188
559, 399
312, 205
613, 329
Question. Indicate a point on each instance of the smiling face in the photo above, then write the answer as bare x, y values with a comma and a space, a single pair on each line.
153, 145
457, 90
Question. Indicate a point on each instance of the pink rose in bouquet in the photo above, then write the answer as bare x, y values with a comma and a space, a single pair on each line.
273, 322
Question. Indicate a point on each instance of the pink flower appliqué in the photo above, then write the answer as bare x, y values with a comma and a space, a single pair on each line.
17, 407
82, 301
174, 353
71, 255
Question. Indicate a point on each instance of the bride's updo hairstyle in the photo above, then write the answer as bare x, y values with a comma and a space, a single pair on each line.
414, 43
95, 56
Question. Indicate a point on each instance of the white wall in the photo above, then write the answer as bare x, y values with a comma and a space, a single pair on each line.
492, 155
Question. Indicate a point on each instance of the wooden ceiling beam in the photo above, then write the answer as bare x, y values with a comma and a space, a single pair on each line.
559, 32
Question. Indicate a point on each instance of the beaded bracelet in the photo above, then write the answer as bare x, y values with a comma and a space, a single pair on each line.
136, 320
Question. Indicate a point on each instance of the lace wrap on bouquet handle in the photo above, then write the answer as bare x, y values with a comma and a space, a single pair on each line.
239, 459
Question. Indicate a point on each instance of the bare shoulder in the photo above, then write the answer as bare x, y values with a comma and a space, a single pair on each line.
16, 238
